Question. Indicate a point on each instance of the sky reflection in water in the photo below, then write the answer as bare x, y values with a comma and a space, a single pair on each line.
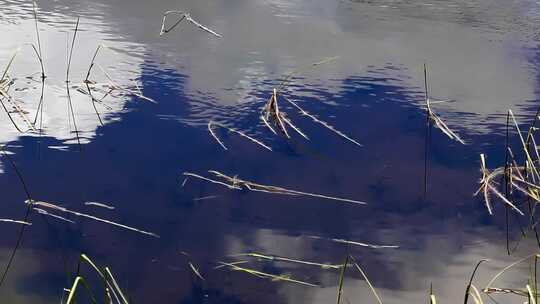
484, 61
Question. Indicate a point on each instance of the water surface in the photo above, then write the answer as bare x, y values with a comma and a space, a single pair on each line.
480, 54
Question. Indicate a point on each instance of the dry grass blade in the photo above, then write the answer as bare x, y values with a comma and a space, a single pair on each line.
215, 136
116, 286
267, 124
43, 212
530, 162
232, 263
444, 128
289, 260
196, 271
261, 274
256, 141
208, 197
99, 205
434, 118
239, 184
295, 128
367, 280
495, 290
342, 241
323, 123
212, 181
183, 16
202, 27
486, 186
271, 111
15, 222
62, 209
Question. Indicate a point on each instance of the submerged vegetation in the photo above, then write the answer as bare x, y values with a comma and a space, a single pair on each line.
516, 183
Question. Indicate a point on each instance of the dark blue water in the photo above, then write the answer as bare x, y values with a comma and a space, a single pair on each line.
373, 92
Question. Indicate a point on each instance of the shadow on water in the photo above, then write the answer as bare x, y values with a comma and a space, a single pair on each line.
135, 164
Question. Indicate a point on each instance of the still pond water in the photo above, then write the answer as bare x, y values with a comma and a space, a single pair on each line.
481, 54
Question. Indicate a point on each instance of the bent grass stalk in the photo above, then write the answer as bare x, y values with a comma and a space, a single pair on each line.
486, 186
470, 285
112, 290
187, 17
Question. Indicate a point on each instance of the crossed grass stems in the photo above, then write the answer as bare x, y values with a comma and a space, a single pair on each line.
516, 183
518, 179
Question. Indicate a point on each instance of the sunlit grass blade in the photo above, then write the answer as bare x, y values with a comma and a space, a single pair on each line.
62, 209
